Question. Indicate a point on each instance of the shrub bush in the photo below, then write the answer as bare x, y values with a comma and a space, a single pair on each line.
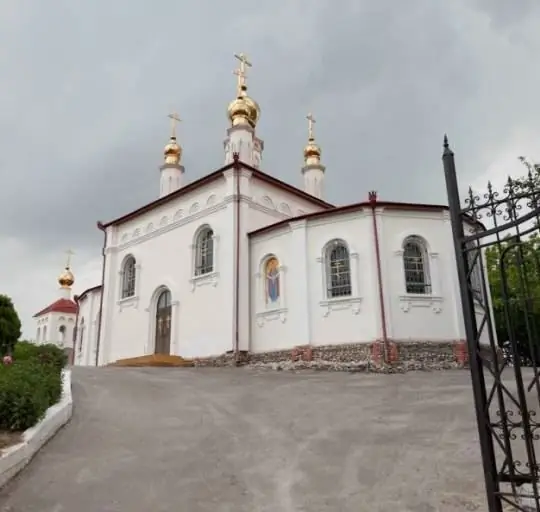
10, 326
30, 385
45, 354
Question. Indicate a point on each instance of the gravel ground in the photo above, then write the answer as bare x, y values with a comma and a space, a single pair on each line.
248, 439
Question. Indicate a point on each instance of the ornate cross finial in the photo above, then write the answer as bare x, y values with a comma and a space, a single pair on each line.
311, 122
175, 118
244, 62
241, 72
69, 253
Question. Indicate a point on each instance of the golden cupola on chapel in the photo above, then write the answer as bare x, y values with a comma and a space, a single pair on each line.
66, 278
243, 110
312, 151
173, 150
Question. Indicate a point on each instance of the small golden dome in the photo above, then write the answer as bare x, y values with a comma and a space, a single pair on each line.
244, 110
66, 278
172, 152
312, 150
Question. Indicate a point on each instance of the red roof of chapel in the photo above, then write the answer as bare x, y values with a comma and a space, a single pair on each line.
60, 306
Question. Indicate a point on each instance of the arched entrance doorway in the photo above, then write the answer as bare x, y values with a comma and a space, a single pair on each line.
163, 323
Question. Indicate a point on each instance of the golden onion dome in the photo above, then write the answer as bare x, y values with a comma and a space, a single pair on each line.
172, 152
66, 278
312, 152
244, 110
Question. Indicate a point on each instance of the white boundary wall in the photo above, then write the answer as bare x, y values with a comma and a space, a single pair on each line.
15, 458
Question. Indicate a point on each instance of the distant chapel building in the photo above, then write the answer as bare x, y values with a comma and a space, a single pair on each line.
56, 323
240, 265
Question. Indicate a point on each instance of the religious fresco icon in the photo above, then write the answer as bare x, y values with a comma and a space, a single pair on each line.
272, 280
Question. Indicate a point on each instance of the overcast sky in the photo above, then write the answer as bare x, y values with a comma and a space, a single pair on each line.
86, 87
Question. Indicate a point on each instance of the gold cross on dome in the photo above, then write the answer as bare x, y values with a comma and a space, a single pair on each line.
241, 78
69, 253
241, 72
311, 122
175, 118
244, 62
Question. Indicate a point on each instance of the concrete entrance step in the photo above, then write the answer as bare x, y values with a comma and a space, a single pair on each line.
154, 360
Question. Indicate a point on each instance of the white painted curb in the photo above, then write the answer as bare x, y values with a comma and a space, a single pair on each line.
16, 457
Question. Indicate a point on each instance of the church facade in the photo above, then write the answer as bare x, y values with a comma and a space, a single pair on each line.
240, 265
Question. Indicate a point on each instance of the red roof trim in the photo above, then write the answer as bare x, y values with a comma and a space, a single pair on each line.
208, 179
285, 186
60, 306
86, 292
357, 207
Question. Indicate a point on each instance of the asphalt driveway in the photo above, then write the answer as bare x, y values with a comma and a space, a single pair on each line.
224, 440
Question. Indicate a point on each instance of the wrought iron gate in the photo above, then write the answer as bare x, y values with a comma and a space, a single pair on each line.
498, 231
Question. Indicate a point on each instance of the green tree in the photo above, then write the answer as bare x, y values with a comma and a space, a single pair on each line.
513, 268
10, 326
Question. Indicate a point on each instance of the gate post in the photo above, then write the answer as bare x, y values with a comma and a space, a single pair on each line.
471, 332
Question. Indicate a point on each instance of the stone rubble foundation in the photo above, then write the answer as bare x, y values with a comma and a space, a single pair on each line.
401, 356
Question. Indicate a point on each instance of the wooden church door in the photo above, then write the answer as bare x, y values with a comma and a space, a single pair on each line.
163, 323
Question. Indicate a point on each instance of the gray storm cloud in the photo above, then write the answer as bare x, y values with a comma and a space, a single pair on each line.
86, 89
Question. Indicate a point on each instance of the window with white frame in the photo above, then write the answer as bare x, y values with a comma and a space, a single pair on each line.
129, 277
338, 270
416, 266
204, 252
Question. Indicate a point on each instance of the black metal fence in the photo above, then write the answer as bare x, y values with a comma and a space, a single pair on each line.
496, 231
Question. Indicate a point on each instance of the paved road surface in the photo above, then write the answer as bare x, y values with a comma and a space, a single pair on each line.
224, 440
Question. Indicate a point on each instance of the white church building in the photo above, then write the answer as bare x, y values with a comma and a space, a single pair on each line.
239, 265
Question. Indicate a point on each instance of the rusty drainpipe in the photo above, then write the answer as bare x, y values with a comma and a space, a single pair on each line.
236, 166
373, 204
98, 338
75, 330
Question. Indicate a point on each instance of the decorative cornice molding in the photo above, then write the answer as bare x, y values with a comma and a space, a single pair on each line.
342, 303
261, 208
128, 302
169, 227
206, 279
420, 301
270, 315
181, 168
313, 167
298, 224
345, 216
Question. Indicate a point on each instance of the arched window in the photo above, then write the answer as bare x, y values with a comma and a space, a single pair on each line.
338, 270
38, 333
62, 331
204, 252
128, 277
271, 274
81, 335
45, 334
164, 300
415, 266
